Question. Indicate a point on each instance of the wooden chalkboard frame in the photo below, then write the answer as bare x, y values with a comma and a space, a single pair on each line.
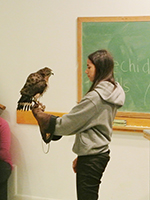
135, 122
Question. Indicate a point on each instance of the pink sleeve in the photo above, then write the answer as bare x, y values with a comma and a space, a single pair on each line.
5, 140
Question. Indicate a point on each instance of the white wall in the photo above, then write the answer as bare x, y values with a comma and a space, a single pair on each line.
35, 33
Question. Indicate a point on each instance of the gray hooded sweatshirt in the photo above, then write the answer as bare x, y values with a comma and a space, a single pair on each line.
91, 120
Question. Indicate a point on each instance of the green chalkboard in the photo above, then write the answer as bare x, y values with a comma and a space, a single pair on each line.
129, 43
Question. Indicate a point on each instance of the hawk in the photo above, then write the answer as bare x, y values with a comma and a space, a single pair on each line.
36, 84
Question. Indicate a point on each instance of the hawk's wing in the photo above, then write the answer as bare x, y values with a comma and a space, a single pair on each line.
35, 84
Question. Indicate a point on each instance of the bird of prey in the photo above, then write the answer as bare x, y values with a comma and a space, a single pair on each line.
36, 84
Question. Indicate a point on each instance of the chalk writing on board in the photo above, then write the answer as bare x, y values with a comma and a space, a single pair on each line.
129, 66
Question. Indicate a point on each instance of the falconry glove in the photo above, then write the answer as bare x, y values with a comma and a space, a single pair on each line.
46, 124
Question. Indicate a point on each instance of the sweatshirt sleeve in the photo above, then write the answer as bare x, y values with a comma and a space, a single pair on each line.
76, 119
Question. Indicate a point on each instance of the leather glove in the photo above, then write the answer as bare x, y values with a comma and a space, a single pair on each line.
46, 124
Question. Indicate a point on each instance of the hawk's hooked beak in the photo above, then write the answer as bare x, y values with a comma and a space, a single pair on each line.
52, 73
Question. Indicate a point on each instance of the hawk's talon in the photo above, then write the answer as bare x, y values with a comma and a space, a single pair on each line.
42, 106
39, 105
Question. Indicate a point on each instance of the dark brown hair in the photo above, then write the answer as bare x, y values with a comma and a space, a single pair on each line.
104, 64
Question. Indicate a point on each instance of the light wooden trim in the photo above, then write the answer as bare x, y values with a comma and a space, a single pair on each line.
2, 107
26, 117
114, 19
133, 115
135, 122
79, 56
146, 135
